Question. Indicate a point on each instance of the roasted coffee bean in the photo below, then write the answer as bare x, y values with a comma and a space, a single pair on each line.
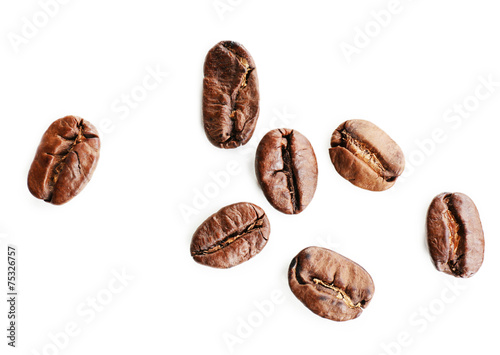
231, 236
230, 95
287, 170
455, 235
65, 160
329, 284
366, 156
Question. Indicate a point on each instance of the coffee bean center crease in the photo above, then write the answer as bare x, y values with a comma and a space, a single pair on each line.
78, 139
286, 155
455, 230
341, 295
255, 226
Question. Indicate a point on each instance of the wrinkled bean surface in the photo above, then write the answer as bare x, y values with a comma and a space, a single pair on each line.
231, 236
230, 95
64, 161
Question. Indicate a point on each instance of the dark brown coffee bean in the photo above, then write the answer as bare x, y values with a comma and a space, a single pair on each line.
231, 236
366, 156
230, 95
455, 235
65, 160
329, 284
287, 170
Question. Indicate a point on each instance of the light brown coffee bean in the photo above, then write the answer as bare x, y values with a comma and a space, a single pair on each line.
455, 234
366, 156
329, 284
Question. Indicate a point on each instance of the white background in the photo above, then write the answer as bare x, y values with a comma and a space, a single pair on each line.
155, 160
